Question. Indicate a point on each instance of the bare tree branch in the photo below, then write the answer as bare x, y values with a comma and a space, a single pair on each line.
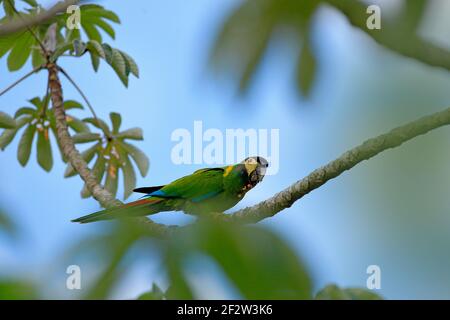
346, 161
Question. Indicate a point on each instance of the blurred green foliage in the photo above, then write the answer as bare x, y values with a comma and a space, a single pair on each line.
246, 35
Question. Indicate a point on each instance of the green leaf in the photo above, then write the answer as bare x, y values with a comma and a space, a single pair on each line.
306, 70
87, 156
133, 134
333, 292
25, 110
7, 225
72, 104
20, 52
96, 48
95, 61
76, 124
8, 135
36, 58
112, 177
129, 178
85, 137
119, 66
26, 141
108, 52
116, 120
61, 49
7, 121
155, 294
100, 124
44, 150
130, 64
255, 260
98, 170
91, 31
138, 156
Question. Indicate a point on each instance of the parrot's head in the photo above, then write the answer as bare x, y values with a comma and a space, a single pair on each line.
256, 169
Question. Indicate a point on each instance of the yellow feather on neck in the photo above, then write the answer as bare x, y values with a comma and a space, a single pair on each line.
227, 170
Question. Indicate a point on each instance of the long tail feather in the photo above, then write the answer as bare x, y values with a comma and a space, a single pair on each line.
141, 207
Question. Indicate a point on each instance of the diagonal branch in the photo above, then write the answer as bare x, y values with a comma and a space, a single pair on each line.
346, 161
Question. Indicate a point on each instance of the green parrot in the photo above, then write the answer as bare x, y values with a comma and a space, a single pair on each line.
204, 191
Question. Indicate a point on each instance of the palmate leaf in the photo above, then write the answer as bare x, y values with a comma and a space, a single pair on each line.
306, 69
113, 155
41, 119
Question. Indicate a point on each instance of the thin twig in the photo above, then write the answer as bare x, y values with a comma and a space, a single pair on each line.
82, 95
20, 80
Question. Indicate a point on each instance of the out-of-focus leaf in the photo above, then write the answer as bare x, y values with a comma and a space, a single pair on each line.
133, 134
44, 150
85, 137
155, 294
138, 156
411, 15
256, 261
306, 70
26, 141
17, 290
333, 292
6, 121
7, 225
116, 120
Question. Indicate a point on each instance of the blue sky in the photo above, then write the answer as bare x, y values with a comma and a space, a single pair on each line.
361, 91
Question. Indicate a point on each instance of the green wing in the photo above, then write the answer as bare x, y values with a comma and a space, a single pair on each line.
201, 185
